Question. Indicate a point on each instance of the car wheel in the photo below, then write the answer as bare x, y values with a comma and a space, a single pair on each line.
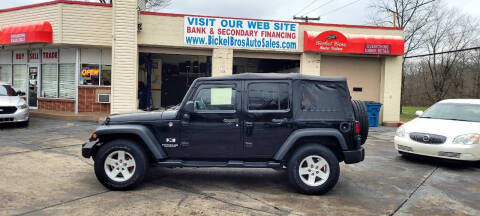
313, 169
120, 164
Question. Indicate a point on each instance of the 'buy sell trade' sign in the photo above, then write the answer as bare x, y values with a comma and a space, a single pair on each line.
240, 33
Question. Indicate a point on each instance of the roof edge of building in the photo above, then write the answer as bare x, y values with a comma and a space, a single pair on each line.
53, 3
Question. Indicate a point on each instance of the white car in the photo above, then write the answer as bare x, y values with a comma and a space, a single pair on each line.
448, 129
13, 108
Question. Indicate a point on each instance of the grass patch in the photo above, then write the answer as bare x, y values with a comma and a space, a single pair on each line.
408, 112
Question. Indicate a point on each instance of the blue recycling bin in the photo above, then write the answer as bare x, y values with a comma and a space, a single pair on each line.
373, 110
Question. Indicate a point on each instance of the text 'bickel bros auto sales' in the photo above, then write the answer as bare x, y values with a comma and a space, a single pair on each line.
240, 33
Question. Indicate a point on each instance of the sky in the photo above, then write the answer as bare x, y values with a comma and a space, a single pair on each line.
354, 12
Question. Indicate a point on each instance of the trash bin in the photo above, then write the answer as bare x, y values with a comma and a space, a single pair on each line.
373, 109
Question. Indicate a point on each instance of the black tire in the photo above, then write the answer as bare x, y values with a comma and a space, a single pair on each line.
295, 162
24, 124
361, 115
130, 147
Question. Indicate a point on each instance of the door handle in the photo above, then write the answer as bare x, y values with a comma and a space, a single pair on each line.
230, 120
277, 122
282, 120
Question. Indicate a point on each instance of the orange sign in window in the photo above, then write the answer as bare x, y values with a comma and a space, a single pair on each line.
90, 72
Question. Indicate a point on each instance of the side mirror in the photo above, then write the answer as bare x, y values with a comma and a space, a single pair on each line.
20, 93
188, 108
419, 113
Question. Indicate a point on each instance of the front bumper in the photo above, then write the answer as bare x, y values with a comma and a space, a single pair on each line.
446, 150
21, 115
87, 148
354, 156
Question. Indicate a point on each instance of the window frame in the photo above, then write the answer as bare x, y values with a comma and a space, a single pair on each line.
247, 91
210, 86
100, 64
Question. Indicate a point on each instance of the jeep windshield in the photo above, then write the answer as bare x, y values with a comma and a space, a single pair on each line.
6, 90
454, 111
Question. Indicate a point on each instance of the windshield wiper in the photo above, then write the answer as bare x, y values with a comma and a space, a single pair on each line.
425, 117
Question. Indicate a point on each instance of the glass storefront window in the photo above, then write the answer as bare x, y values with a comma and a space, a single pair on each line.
106, 75
89, 74
20, 77
6, 73
49, 81
66, 81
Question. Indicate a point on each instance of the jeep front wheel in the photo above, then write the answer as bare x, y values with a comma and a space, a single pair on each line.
313, 169
120, 164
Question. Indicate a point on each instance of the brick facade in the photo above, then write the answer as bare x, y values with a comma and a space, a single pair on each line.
54, 104
87, 99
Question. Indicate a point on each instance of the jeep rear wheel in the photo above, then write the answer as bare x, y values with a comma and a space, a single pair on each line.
313, 169
120, 164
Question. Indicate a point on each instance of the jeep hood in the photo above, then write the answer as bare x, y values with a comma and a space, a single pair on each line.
142, 117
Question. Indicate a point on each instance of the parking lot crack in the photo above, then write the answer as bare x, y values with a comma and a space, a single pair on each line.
65, 202
414, 191
41, 149
282, 211
191, 190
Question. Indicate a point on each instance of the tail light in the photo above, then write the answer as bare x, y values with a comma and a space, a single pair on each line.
357, 127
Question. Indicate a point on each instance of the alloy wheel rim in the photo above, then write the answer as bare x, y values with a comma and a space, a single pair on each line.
314, 170
119, 166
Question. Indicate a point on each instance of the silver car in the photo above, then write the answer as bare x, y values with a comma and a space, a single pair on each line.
13, 108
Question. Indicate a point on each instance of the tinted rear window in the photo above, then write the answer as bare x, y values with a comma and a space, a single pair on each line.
268, 96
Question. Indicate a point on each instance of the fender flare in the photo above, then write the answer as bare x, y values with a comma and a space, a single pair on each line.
296, 135
141, 131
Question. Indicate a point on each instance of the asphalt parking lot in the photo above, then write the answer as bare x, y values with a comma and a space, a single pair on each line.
43, 173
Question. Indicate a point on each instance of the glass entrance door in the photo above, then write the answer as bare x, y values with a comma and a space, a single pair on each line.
32, 85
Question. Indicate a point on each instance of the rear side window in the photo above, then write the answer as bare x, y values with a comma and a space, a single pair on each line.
268, 96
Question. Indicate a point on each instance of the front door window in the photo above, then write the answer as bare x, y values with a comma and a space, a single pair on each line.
215, 99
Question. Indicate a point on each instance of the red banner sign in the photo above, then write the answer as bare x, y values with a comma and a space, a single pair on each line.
26, 33
336, 42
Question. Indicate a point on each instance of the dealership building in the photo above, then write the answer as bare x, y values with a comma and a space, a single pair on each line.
82, 57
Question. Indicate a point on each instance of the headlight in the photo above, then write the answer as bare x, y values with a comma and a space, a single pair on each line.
467, 139
23, 106
400, 132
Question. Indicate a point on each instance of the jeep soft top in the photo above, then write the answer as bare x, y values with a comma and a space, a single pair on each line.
304, 124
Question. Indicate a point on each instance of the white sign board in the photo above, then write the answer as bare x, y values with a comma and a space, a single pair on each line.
240, 33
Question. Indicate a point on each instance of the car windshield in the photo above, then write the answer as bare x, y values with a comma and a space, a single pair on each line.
454, 111
6, 90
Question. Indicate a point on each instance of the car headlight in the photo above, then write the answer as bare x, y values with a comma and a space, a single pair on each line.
467, 139
23, 106
400, 132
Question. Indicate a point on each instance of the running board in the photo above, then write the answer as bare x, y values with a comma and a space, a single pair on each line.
232, 163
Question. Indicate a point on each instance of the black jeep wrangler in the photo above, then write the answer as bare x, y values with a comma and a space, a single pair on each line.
304, 124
